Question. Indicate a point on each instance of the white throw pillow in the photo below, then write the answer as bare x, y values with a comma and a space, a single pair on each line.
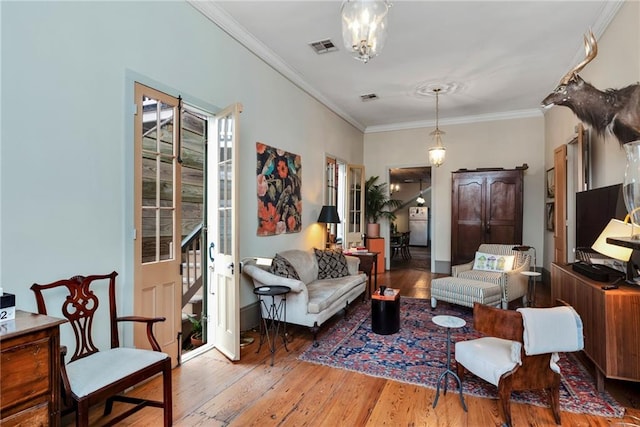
493, 262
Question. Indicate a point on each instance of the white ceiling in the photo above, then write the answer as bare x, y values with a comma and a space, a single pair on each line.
502, 57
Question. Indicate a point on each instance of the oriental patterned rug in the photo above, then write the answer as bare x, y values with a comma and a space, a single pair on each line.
418, 354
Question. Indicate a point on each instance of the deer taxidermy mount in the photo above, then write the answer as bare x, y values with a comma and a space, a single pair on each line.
615, 110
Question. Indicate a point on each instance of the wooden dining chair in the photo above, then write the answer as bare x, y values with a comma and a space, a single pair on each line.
94, 376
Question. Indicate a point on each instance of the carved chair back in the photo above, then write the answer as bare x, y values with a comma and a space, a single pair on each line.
80, 307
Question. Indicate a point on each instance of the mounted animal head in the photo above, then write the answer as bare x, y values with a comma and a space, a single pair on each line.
616, 110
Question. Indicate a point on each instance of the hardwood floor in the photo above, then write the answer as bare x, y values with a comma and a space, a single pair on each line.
211, 391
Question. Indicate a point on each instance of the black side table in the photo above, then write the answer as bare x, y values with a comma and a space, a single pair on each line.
273, 314
385, 313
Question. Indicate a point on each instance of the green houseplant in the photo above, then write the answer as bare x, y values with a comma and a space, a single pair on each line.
196, 330
377, 205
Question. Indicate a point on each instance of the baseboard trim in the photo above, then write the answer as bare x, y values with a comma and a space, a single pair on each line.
250, 316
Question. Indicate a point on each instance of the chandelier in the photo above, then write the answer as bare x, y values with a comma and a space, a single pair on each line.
364, 27
436, 153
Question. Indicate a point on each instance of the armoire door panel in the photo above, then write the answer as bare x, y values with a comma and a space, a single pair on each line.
486, 207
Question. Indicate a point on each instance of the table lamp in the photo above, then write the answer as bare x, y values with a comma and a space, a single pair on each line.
616, 228
329, 215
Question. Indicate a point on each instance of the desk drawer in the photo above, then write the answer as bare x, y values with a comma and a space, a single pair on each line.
25, 372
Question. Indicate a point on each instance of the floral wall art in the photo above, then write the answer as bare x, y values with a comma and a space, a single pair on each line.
279, 180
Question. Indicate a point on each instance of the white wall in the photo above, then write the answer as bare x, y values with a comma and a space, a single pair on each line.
617, 65
500, 143
67, 135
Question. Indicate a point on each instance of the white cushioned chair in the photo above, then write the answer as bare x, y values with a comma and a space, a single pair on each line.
520, 351
513, 284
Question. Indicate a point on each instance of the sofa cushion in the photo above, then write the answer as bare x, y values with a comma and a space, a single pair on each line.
281, 267
323, 293
304, 263
493, 262
331, 264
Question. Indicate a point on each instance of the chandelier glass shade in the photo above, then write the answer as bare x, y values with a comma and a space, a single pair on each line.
437, 152
364, 27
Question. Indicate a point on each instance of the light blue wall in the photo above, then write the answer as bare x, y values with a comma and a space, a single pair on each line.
66, 138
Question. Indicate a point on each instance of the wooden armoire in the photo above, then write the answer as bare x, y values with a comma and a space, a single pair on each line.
486, 207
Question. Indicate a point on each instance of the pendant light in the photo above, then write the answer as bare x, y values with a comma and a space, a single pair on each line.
436, 153
420, 200
364, 27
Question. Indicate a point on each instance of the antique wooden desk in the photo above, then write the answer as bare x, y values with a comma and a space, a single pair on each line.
30, 374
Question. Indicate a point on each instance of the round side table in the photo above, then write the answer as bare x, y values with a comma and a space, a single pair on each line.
531, 291
449, 322
274, 313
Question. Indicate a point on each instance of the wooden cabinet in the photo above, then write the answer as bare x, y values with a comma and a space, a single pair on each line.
486, 207
30, 373
376, 244
611, 322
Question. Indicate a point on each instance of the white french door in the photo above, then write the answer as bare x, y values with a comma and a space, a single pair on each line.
355, 206
222, 233
157, 205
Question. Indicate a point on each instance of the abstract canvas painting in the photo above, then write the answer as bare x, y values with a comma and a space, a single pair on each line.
279, 179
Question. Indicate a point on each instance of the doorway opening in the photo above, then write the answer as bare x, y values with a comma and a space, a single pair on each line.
411, 231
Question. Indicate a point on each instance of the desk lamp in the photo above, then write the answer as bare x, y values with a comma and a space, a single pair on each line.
329, 215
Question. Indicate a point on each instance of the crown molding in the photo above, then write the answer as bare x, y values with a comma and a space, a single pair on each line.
490, 117
226, 23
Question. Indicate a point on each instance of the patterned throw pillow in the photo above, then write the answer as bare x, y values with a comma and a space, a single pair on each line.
492, 262
331, 264
281, 267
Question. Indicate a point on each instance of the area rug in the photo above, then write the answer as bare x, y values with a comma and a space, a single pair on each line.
418, 355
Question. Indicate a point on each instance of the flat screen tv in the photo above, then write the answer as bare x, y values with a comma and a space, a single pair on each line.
594, 209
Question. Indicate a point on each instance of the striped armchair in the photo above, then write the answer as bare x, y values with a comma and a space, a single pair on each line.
513, 284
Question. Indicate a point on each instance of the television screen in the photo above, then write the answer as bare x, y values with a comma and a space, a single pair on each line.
594, 209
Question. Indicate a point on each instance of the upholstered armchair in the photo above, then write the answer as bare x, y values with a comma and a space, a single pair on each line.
520, 351
513, 284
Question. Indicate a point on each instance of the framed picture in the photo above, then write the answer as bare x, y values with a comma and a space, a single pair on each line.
550, 216
551, 184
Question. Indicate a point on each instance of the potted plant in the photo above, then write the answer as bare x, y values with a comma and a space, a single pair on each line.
196, 330
377, 205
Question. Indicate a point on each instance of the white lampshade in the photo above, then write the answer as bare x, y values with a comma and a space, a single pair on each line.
615, 228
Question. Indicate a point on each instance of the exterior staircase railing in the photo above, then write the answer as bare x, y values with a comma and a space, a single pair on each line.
191, 267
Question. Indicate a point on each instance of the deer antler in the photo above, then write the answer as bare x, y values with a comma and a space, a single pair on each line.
590, 50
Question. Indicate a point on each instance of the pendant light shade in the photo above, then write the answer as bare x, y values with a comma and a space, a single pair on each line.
364, 27
437, 152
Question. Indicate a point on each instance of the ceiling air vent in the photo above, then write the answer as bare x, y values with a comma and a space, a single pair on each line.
368, 97
323, 46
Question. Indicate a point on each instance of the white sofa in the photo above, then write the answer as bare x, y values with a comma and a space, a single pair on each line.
311, 301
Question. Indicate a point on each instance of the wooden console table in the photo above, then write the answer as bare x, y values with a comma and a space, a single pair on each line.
611, 322
369, 266
30, 374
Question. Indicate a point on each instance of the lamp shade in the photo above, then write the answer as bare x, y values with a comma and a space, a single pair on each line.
615, 228
436, 155
329, 215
